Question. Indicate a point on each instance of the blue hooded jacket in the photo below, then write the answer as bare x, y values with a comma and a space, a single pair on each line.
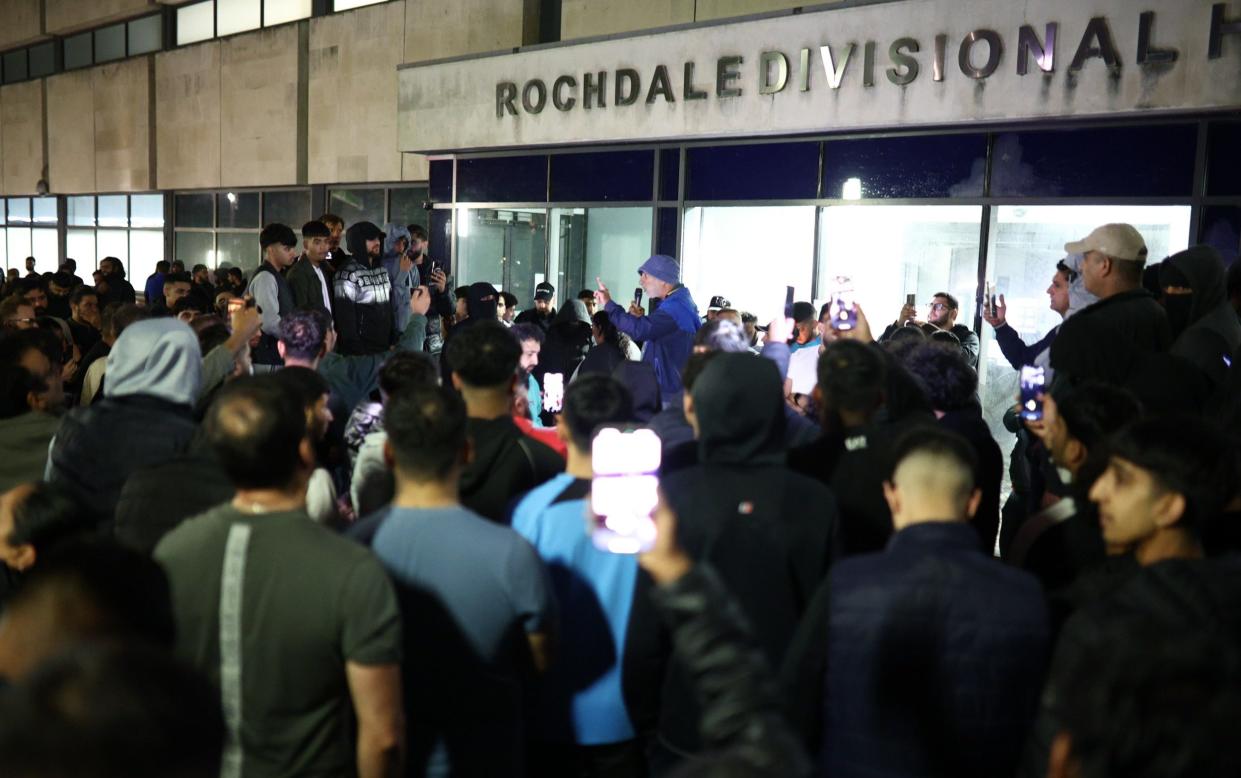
403, 281
668, 335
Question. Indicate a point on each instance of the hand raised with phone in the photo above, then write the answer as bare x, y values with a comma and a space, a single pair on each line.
420, 301
998, 316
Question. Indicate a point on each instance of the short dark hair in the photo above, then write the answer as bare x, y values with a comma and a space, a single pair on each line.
305, 384
426, 428
722, 335
510, 301
211, 330
315, 229
803, 312
116, 263
16, 383
943, 375
75, 298
524, 332
198, 267
485, 355
417, 231
748, 318
162, 266
178, 263
125, 315
106, 710
461, 292
70, 262
302, 334
952, 301
236, 271
406, 371
61, 278
177, 278
330, 218
852, 377
1186, 455
256, 427
592, 401
47, 517
697, 362
928, 439
17, 343
277, 233
1093, 411
585, 295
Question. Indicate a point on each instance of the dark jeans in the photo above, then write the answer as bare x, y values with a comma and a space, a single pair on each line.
612, 760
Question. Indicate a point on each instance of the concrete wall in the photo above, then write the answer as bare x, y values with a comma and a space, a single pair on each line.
123, 126
65, 16
258, 108
23, 23
583, 18
352, 95
71, 132
187, 117
449, 28
21, 136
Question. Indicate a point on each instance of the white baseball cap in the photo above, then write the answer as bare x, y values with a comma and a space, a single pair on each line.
1118, 241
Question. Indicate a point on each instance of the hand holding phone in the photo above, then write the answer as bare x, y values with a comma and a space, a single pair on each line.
1032, 383
624, 489
553, 392
788, 302
843, 309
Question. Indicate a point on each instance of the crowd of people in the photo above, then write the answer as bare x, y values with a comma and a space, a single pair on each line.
333, 517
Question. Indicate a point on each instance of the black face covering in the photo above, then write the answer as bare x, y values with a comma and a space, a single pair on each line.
1180, 309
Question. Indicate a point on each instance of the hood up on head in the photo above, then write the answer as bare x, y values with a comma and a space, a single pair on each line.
480, 301
739, 402
155, 358
356, 237
1079, 298
392, 233
573, 312
639, 378
1201, 268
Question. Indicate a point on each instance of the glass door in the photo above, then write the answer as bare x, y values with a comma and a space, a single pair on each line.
507, 248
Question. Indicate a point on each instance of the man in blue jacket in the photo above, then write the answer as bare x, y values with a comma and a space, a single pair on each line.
668, 332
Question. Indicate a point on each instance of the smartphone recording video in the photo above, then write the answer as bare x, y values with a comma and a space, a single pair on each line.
1032, 382
624, 489
992, 308
788, 302
553, 392
235, 304
843, 308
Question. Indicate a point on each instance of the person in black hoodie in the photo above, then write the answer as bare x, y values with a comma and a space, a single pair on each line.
565, 347
768, 531
363, 295
1205, 329
505, 463
119, 290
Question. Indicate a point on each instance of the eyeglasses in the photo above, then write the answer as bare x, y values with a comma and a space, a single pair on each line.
24, 320
939, 306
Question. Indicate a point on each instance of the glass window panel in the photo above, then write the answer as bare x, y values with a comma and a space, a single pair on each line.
15, 66
18, 241
44, 210
195, 248
1095, 162
441, 180
19, 210
42, 60
194, 210
502, 180
146, 210
110, 43
1221, 228
113, 211
238, 209
4, 253
80, 245
505, 247
890, 251
345, 5
115, 243
236, 16
1224, 158
920, 166
1024, 245
405, 206
669, 174
357, 205
281, 11
439, 234
291, 207
78, 51
80, 211
146, 247
195, 23
605, 243
146, 35
45, 248
711, 263
768, 171
238, 249
666, 242
605, 175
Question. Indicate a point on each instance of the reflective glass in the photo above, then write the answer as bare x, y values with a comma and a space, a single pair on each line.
345, 5
194, 248
44, 210
439, 233
80, 245
1221, 228
910, 167
78, 51
441, 180
18, 241
238, 250
238, 209
113, 211
19, 210
604, 175
502, 180
42, 60
146, 210
237, 16
194, 210
291, 207
767, 171
4, 254
714, 262
115, 243
505, 247
146, 35
604, 243
146, 247
281, 11
15, 66
357, 205
195, 22
80, 211
666, 242
669, 174
405, 205
45, 248
110, 43
1224, 158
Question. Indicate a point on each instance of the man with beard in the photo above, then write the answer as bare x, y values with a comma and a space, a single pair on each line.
363, 295
544, 309
943, 317
118, 289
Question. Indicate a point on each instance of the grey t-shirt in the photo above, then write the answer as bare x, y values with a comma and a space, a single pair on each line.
271, 607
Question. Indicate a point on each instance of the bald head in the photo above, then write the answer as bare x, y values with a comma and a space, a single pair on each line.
933, 480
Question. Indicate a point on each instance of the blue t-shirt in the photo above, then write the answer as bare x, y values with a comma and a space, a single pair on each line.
581, 700
487, 577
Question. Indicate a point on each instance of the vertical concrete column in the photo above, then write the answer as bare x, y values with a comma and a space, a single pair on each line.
22, 136
259, 108
71, 132
187, 117
123, 133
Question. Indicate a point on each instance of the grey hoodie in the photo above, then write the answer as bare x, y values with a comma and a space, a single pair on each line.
156, 358
403, 281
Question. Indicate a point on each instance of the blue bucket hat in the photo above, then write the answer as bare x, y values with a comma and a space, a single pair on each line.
663, 267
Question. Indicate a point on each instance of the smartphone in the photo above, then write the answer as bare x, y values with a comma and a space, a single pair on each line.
235, 304
637, 295
991, 300
788, 302
843, 309
624, 489
911, 300
1031, 393
553, 392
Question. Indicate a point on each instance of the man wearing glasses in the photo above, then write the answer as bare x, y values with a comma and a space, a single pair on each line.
17, 314
942, 317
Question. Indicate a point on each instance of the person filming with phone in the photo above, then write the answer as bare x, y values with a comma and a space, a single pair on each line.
944, 310
668, 332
